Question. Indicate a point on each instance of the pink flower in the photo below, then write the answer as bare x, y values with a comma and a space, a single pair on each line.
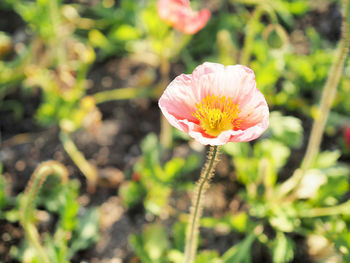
216, 104
178, 14
347, 136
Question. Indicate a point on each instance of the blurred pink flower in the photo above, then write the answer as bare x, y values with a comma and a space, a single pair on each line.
216, 104
347, 136
178, 14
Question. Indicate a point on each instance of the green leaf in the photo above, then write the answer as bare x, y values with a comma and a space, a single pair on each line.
131, 193
240, 253
69, 209
336, 186
326, 159
207, 257
172, 168
284, 218
87, 231
192, 162
283, 248
156, 198
286, 129
138, 247
235, 149
3, 196
274, 150
155, 243
98, 39
239, 221
312, 180
179, 233
155, 27
125, 33
247, 169
150, 150
298, 7
175, 256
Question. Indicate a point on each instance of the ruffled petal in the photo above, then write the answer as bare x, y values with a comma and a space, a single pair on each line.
178, 99
235, 82
179, 14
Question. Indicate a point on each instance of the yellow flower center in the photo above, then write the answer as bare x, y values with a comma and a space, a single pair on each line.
217, 114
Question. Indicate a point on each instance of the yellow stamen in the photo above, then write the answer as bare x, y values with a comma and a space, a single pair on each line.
217, 114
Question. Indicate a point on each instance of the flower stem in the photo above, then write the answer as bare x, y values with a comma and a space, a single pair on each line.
26, 205
328, 96
196, 209
329, 92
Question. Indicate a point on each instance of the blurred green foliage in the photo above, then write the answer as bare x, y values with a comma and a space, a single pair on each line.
76, 227
154, 181
62, 40
3, 195
153, 246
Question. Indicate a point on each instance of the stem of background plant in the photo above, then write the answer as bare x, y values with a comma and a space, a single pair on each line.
343, 208
196, 209
328, 96
165, 128
251, 32
78, 158
122, 94
26, 205
56, 41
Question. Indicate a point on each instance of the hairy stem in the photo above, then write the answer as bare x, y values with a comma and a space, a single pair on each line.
196, 209
26, 205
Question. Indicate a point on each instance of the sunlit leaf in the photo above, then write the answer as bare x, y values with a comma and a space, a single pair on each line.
240, 253
287, 129
283, 248
87, 231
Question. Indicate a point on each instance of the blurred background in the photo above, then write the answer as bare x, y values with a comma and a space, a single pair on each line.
79, 84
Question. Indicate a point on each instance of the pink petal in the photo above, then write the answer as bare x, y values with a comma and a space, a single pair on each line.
178, 100
196, 22
178, 14
236, 82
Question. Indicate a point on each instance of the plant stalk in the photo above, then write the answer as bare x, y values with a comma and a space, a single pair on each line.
196, 209
165, 128
122, 94
26, 205
78, 158
329, 93
343, 208
327, 99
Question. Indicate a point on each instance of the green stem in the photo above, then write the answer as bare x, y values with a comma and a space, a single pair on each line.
26, 205
196, 209
165, 128
251, 31
328, 211
122, 94
328, 96
78, 158
56, 42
